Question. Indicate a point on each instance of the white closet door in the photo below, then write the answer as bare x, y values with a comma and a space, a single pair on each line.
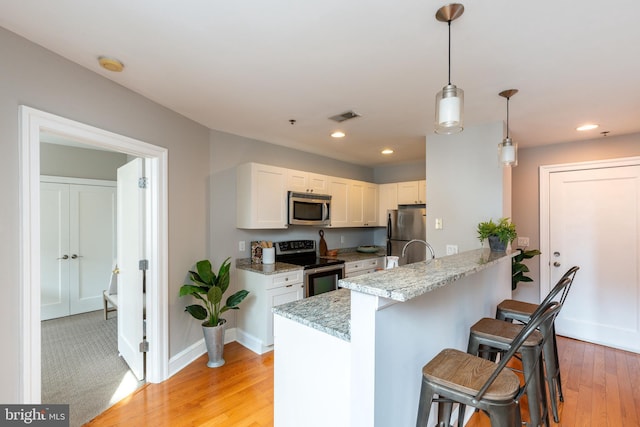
92, 243
54, 250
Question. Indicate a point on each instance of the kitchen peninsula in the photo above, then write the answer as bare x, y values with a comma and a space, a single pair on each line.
353, 357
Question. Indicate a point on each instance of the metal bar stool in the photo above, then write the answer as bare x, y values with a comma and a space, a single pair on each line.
455, 376
520, 311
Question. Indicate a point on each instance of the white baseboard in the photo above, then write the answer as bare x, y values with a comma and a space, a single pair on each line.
195, 350
252, 343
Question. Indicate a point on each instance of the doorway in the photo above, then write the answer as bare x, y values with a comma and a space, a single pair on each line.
33, 122
590, 217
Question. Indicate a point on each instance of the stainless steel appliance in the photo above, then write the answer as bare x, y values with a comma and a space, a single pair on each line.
309, 209
320, 274
404, 224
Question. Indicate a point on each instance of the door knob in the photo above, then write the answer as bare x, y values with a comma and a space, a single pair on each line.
64, 257
556, 254
556, 264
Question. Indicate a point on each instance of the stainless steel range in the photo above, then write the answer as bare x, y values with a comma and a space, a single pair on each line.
321, 274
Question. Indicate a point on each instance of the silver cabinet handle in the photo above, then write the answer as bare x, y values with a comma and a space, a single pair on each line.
64, 257
556, 264
74, 256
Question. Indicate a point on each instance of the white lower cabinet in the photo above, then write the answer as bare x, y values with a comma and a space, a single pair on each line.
255, 317
357, 268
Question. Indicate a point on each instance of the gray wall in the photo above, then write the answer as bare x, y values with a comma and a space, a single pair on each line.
526, 194
75, 162
33, 76
397, 173
465, 185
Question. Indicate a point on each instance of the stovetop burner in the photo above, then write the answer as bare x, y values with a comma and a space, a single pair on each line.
302, 252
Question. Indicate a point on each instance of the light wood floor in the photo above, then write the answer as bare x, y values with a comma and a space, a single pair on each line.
601, 388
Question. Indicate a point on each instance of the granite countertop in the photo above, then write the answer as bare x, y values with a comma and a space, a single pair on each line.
329, 312
276, 268
412, 280
347, 255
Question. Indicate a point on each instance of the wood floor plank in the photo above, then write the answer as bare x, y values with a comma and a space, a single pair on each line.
601, 388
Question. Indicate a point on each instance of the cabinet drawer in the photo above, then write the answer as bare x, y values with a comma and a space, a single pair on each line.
284, 279
364, 264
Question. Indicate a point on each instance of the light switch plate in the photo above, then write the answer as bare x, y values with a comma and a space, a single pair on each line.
523, 242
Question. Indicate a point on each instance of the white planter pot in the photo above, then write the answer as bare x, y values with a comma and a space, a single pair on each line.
214, 340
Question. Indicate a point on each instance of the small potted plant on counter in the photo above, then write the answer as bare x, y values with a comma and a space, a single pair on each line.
209, 288
499, 234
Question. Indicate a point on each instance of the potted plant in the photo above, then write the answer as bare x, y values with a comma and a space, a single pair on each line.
209, 288
499, 234
518, 268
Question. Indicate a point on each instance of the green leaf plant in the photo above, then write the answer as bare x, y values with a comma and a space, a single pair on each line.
504, 230
209, 289
518, 268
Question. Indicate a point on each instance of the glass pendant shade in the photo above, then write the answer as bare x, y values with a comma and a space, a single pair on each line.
508, 152
449, 110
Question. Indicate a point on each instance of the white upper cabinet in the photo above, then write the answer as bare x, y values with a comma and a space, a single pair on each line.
307, 182
388, 199
339, 189
261, 198
412, 192
370, 204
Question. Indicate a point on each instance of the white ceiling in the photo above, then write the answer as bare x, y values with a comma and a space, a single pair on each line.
249, 66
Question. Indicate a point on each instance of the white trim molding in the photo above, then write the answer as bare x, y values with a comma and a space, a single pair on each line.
32, 123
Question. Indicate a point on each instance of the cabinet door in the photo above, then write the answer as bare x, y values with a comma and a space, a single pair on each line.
318, 183
370, 205
339, 188
356, 204
261, 197
278, 296
422, 191
387, 199
54, 250
408, 193
297, 181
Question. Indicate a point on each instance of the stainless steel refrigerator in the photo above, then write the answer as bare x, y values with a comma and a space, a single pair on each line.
404, 224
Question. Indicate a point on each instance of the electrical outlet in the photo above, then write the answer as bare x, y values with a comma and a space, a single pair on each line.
438, 223
241, 246
523, 242
341, 239
452, 249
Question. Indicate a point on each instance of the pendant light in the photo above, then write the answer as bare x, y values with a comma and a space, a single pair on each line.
449, 101
507, 149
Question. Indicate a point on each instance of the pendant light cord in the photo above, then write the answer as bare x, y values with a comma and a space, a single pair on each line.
507, 117
449, 24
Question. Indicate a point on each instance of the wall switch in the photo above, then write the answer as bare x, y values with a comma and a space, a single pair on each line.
452, 249
241, 246
438, 223
523, 242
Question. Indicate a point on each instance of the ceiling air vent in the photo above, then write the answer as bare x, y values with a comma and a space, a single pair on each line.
344, 116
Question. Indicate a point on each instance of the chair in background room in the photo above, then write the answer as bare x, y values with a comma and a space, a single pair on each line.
110, 296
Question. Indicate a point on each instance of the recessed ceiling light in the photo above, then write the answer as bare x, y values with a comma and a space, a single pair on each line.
111, 64
587, 127
387, 151
338, 134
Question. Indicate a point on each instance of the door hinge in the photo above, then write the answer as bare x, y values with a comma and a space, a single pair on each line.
143, 182
143, 264
144, 346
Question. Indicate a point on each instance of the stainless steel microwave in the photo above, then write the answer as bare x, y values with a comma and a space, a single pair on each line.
309, 209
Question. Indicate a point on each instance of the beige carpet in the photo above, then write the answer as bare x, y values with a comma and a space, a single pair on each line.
81, 365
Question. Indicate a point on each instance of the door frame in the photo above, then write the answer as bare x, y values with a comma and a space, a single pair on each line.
545, 177
32, 122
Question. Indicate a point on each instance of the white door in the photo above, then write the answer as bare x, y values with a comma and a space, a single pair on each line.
131, 211
54, 250
594, 222
77, 231
92, 245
